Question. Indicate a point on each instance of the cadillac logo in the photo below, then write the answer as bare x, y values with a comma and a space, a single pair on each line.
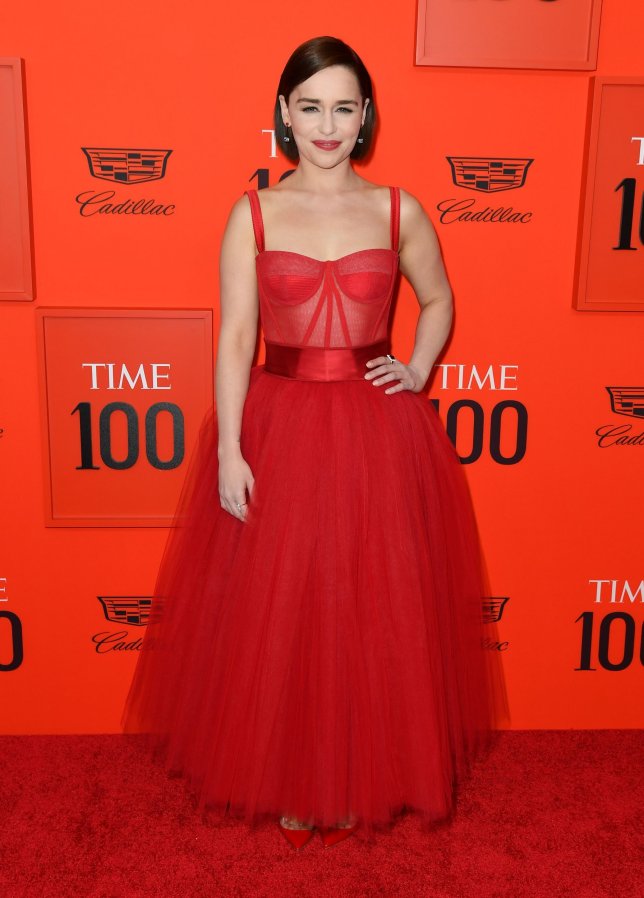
126, 166
627, 401
489, 174
133, 610
493, 608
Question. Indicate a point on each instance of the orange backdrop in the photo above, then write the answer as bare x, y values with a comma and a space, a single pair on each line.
555, 517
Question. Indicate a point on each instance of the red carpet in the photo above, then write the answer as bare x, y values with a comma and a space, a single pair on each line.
549, 813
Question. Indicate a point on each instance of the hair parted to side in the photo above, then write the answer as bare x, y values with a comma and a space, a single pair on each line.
310, 57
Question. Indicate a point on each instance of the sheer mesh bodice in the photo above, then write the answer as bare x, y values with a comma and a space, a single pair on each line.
339, 302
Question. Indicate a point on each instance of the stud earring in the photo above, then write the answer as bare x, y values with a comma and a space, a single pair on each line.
286, 138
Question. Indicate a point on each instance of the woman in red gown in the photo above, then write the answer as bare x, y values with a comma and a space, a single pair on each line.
315, 652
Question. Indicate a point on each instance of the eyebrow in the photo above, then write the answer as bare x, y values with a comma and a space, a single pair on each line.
339, 102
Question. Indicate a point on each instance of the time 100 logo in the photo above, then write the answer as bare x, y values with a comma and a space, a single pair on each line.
109, 376
466, 419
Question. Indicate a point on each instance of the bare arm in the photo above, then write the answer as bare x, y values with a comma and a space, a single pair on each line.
422, 265
238, 325
236, 346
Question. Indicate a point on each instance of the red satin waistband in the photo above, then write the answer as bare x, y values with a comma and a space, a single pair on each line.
320, 363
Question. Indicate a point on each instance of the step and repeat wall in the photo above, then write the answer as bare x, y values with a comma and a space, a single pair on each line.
126, 136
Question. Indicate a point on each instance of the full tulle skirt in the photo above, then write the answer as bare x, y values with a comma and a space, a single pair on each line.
325, 658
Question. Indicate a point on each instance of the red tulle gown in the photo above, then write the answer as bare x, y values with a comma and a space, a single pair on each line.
324, 658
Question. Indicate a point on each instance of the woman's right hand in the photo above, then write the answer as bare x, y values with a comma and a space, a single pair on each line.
235, 477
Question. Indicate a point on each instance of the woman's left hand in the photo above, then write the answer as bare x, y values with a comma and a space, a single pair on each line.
382, 371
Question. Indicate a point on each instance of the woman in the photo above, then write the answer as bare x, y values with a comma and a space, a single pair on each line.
317, 657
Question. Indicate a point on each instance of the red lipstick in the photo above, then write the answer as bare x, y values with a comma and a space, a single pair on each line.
327, 144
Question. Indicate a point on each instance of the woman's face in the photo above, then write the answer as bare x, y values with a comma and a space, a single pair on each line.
325, 113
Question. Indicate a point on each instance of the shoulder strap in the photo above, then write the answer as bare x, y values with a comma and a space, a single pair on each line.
256, 213
395, 217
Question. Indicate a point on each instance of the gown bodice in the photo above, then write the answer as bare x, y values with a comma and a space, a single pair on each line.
341, 302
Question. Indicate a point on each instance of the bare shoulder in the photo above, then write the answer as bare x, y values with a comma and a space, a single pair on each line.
275, 201
270, 196
240, 210
411, 207
240, 217
415, 224
239, 233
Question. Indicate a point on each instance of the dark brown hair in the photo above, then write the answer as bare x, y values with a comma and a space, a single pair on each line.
311, 57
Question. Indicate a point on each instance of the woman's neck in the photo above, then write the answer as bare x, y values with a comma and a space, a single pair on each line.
314, 179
